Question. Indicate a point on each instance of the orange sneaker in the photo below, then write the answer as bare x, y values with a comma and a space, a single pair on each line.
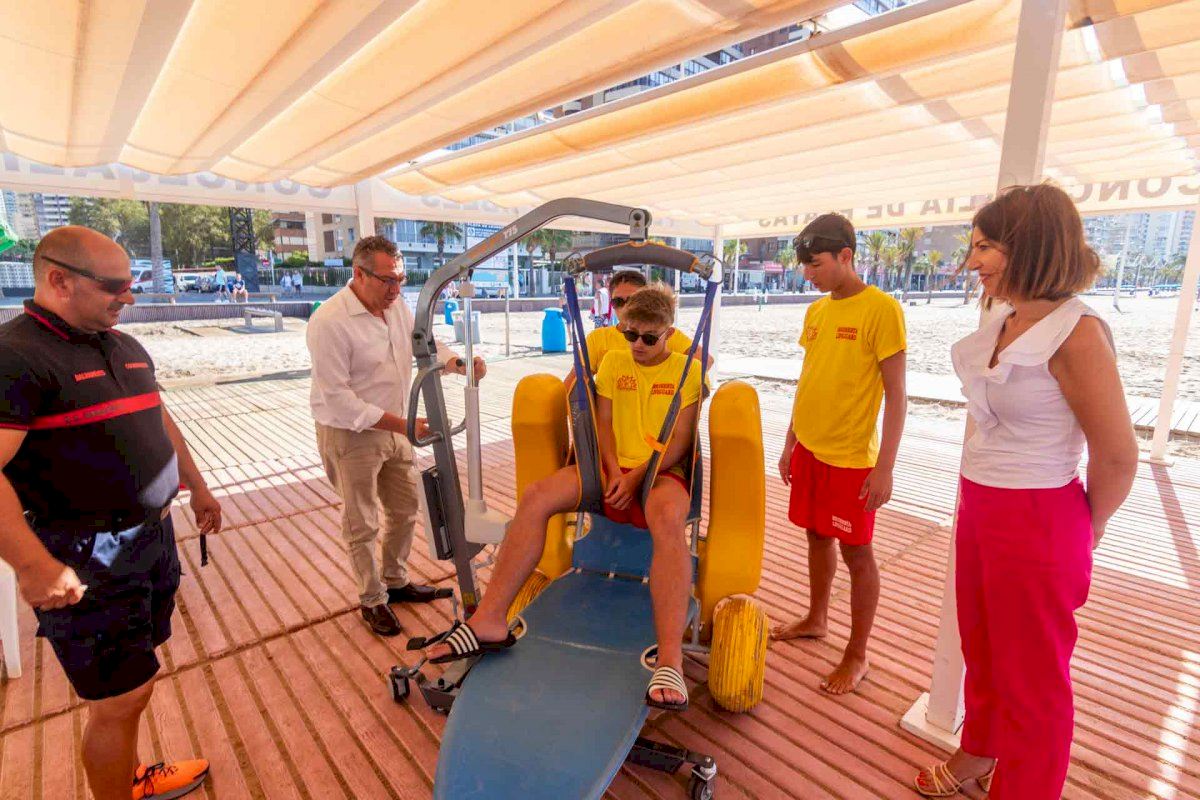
168, 781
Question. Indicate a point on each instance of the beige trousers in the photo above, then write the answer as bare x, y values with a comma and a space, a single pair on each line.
373, 469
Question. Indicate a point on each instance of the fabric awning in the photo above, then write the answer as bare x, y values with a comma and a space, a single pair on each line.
894, 120
325, 92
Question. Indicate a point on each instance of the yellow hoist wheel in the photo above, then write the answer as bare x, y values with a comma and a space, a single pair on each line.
534, 585
738, 660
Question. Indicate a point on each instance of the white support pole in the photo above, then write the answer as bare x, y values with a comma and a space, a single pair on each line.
514, 274
937, 715
365, 203
714, 339
1031, 93
737, 260
678, 276
1183, 320
312, 236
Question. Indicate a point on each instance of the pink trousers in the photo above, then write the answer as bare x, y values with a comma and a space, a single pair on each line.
1024, 565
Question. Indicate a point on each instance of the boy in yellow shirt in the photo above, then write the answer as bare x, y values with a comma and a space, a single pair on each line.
839, 471
635, 385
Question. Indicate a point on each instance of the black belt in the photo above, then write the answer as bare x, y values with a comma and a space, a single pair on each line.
99, 522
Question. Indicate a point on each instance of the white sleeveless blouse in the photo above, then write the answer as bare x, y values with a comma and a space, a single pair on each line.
1027, 436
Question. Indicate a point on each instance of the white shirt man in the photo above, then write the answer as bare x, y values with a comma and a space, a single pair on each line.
360, 342
601, 307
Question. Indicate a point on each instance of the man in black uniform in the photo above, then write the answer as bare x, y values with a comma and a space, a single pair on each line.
91, 461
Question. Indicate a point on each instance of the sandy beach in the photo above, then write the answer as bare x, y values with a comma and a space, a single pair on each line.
221, 349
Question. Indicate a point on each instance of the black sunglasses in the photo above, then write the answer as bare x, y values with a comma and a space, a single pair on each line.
390, 281
113, 286
811, 242
619, 302
649, 339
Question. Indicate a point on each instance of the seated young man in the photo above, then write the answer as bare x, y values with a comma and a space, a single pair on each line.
635, 388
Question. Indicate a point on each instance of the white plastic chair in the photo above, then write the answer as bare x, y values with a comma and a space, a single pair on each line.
9, 636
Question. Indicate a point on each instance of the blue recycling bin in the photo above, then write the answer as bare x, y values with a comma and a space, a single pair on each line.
448, 309
554, 332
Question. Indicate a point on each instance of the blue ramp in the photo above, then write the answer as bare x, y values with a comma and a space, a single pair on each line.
554, 716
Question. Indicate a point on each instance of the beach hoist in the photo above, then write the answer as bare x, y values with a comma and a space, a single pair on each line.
558, 715
582, 397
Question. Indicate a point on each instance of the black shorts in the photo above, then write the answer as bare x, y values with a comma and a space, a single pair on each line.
106, 641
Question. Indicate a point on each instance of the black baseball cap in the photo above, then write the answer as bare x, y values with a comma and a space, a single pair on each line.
828, 233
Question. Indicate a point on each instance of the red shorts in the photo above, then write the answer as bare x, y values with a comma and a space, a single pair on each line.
825, 500
633, 514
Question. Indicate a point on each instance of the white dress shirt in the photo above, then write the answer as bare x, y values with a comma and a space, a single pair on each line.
361, 365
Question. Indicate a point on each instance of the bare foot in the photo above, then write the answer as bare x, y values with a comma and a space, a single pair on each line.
485, 631
806, 628
846, 676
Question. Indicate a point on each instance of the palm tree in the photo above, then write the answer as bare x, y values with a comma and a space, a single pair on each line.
733, 251
1140, 261
787, 259
875, 241
890, 257
960, 255
554, 242
442, 232
933, 260
906, 244
532, 241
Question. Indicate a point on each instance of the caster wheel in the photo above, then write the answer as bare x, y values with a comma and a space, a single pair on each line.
701, 789
399, 687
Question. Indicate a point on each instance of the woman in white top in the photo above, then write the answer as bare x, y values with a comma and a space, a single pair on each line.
1040, 378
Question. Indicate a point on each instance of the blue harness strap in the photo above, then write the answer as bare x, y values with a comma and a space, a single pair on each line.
665, 434
582, 404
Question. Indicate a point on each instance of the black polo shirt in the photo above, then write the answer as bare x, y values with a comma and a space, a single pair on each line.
96, 446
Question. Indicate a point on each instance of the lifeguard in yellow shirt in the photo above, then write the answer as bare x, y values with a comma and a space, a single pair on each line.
635, 385
840, 473
622, 286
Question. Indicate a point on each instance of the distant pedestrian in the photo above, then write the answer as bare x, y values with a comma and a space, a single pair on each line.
238, 289
601, 307
221, 285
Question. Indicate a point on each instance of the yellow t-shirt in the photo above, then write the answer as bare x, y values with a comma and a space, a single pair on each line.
841, 386
641, 397
602, 340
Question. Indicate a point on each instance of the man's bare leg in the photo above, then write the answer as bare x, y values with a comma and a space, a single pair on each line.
670, 574
864, 600
110, 742
519, 553
822, 568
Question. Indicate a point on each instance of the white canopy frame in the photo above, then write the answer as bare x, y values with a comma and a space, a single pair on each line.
1026, 133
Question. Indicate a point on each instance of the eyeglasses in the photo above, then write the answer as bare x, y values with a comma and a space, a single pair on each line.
619, 302
113, 286
649, 339
391, 282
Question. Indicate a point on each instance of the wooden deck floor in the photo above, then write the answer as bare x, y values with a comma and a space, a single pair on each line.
272, 676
